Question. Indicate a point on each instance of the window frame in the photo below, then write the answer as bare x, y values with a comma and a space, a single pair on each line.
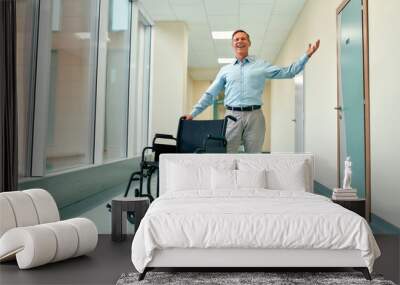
35, 163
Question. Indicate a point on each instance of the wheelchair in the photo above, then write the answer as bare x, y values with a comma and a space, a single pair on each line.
149, 167
193, 136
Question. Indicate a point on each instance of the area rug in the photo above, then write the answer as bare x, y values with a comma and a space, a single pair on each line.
244, 278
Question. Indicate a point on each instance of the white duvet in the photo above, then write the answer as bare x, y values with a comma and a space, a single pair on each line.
251, 218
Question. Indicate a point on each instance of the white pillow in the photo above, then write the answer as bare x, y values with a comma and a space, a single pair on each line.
282, 174
251, 178
235, 179
223, 179
186, 175
293, 178
183, 177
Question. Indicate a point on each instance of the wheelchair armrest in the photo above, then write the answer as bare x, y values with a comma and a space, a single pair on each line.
216, 138
164, 136
211, 138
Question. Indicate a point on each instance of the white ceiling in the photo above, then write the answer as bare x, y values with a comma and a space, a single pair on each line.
267, 21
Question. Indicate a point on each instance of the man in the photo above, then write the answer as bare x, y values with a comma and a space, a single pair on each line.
244, 82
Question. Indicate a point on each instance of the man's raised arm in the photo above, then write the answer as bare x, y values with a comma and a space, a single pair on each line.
207, 99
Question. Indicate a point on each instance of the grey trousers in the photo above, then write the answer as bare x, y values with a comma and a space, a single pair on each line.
249, 129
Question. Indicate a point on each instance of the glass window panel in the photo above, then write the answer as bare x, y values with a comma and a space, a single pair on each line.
25, 23
117, 82
142, 107
73, 60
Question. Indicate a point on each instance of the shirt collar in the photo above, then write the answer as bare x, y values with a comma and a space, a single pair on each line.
249, 58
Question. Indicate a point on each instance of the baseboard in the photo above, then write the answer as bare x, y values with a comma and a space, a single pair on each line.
378, 225
322, 189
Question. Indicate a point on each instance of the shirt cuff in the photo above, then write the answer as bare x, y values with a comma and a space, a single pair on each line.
194, 113
304, 58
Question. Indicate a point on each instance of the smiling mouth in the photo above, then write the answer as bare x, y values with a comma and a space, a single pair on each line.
240, 45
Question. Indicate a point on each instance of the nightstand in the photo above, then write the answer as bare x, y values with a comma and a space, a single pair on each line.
119, 209
357, 205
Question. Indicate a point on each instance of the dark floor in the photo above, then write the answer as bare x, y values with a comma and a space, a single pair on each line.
111, 259
103, 266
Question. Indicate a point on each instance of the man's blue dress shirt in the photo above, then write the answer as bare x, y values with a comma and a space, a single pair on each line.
244, 82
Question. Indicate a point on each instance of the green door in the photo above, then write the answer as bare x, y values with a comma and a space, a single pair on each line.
351, 93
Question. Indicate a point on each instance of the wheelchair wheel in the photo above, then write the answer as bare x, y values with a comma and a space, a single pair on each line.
131, 217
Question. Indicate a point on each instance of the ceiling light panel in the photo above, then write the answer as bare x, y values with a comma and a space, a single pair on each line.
225, 60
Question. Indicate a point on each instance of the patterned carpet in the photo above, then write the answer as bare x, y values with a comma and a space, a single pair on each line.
243, 278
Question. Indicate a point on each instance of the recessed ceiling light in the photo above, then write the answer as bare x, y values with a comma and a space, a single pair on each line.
222, 35
223, 60
83, 36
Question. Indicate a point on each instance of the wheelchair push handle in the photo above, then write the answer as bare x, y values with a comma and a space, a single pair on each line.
226, 119
230, 117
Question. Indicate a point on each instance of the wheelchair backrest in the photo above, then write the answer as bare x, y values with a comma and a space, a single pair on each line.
193, 134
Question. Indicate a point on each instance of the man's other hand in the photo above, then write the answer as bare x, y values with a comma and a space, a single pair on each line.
187, 117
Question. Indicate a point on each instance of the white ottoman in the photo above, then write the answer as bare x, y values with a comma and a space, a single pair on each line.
31, 232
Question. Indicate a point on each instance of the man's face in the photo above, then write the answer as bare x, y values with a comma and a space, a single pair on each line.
240, 43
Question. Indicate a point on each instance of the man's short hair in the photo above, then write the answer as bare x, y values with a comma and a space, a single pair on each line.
241, 31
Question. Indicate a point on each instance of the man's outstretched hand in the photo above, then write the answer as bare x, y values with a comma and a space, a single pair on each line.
187, 117
312, 48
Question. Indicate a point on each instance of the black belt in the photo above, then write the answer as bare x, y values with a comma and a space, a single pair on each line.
244, 109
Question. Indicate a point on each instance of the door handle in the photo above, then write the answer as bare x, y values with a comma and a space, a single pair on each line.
294, 120
338, 108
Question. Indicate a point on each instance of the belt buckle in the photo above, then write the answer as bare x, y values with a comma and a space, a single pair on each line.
252, 107
241, 108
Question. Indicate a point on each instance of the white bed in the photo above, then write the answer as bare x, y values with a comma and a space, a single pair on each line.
210, 215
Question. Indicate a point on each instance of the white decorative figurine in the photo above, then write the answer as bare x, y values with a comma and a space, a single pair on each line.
347, 174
